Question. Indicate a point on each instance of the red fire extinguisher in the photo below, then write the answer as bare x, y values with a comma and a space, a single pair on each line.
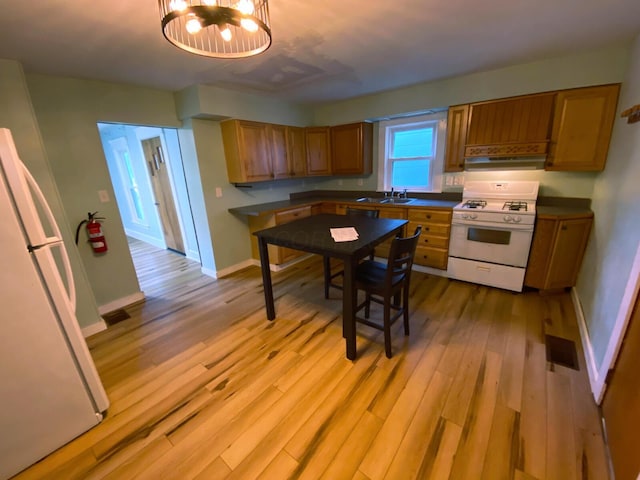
94, 231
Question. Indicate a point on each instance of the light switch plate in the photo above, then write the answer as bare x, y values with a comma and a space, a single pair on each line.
218, 192
103, 195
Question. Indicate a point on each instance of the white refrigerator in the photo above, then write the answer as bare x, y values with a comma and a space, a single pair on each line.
50, 391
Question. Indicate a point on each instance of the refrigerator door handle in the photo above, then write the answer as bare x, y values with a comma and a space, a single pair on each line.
56, 240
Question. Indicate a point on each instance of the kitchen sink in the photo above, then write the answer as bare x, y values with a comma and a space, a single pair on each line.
386, 200
396, 200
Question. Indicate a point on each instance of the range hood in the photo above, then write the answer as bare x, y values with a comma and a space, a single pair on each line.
504, 163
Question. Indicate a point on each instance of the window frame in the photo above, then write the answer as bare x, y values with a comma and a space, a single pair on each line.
386, 127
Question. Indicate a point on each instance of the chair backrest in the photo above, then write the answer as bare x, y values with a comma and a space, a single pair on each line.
400, 258
361, 211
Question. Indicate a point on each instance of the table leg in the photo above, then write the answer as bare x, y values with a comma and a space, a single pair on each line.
326, 263
266, 278
349, 300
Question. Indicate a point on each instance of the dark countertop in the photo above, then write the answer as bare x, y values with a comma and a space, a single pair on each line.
550, 207
444, 200
547, 211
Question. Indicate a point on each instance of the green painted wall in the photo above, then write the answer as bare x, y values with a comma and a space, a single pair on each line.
16, 113
68, 111
615, 238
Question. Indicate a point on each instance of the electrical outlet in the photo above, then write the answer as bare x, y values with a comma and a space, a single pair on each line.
218, 192
459, 180
340, 182
360, 182
103, 195
448, 180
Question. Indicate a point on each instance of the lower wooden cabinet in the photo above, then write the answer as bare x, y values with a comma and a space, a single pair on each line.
277, 255
433, 247
557, 251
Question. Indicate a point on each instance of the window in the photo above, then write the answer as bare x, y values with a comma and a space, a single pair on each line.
412, 153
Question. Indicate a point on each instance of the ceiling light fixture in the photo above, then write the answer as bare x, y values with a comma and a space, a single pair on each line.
217, 28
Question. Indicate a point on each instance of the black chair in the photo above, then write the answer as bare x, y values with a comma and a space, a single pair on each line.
388, 285
328, 276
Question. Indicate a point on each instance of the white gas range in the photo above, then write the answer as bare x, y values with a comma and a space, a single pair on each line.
491, 232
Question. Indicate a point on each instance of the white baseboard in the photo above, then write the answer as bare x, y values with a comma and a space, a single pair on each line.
121, 303
94, 328
592, 368
233, 268
146, 238
208, 272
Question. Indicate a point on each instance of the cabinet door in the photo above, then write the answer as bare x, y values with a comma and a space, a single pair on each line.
318, 151
570, 244
296, 151
279, 154
517, 126
540, 253
351, 149
582, 125
247, 152
457, 119
556, 253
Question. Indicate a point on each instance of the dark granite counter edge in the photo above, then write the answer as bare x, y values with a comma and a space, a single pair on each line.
554, 206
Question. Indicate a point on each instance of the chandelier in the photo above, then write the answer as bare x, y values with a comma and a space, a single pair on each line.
217, 28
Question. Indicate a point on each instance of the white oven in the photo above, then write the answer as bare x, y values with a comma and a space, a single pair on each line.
491, 232
495, 243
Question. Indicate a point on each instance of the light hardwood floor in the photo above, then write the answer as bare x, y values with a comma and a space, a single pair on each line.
202, 386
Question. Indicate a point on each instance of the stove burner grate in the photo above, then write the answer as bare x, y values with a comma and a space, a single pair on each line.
515, 206
474, 204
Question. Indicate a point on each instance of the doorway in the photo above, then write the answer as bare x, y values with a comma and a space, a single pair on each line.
147, 174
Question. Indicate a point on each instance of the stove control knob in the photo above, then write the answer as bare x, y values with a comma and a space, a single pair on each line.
473, 216
517, 219
465, 216
508, 218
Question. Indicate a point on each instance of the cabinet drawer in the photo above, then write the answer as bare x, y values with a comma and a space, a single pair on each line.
431, 216
433, 241
293, 214
434, 229
431, 257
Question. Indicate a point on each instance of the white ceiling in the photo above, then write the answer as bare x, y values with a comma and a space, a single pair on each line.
322, 50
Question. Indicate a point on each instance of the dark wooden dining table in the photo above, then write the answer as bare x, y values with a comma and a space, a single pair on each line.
312, 234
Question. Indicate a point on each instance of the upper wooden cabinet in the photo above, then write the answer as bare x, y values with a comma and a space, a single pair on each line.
571, 127
277, 139
247, 151
582, 126
351, 149
297, 151
257, 152
457, 120
518, 126
318, 143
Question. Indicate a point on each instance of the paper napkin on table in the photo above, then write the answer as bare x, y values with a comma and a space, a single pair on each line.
344, 234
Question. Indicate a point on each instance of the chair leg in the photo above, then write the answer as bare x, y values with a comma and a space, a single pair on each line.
327, 275
387, 327
405, 309
367, 306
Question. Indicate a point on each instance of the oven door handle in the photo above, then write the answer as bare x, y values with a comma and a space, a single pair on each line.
493, 226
